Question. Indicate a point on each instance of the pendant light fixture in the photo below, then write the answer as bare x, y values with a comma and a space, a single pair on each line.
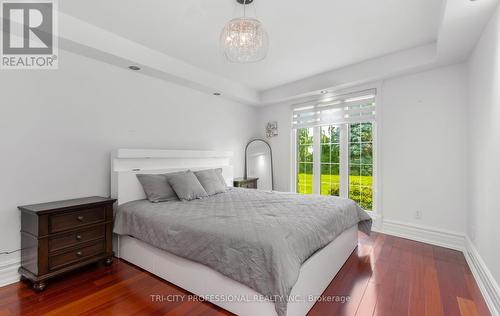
243, 39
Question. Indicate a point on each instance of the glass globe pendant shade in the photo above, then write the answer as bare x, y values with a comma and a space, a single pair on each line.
244, 40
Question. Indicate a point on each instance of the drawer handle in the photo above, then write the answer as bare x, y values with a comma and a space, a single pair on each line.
79, 253
80, 218
78, 237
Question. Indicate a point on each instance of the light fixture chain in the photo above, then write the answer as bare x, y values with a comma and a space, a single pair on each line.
254, 9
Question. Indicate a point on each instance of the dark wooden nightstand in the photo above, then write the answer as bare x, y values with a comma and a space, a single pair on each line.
248, 183
61, 236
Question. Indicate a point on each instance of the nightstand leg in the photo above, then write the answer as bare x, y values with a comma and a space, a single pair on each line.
108, 261
39, 286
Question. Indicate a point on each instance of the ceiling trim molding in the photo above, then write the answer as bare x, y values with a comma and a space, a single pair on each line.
461, 26
91, 41
368, 71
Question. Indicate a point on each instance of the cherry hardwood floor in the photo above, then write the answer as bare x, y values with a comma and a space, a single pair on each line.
385, 276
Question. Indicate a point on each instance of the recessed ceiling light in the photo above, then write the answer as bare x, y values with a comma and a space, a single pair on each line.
217, 93
134, 68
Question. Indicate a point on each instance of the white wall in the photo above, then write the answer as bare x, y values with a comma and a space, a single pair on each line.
57, 129
423, 147
281, 144
484, 138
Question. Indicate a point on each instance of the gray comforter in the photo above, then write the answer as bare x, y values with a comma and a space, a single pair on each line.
258, 238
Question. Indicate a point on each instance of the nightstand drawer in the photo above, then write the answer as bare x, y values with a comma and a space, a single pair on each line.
251, 185
77, 254
246, 183
76, 219
75, 238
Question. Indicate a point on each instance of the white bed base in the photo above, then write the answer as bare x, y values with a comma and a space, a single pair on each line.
315, 274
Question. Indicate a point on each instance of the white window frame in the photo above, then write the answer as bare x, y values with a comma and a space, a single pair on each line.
376, 211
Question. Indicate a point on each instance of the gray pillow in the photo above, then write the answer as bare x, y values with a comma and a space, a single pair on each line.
186, 186
211, 181
218, 171
156, 187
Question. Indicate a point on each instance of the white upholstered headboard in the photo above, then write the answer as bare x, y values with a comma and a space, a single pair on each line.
126, 163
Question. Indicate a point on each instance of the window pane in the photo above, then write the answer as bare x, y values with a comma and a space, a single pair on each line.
361, 164
355, 133
330, 134
354, 191
325, 135
335, 131
307, 153
354, 181
326, 152
335, 153
304, 180
366, 170
366, 198
334, 189
365, 181
335, 180
366, 132
355, 153
326, 172
304, 160
330, 159
302, 168
326, 169
354, 170
336, 170
366, 153
330, 179
305, 135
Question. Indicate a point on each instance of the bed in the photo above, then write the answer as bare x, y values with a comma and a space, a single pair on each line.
250, 252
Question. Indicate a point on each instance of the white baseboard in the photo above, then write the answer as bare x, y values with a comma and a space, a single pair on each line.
485, 280
424, 234
8, 272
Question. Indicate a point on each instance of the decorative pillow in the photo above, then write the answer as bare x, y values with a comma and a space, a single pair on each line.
210, 181
186, 186
218, 171
156, 187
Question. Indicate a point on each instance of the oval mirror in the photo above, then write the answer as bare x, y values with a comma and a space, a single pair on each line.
259, 163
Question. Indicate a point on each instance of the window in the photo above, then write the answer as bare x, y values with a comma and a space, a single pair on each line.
335, 147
